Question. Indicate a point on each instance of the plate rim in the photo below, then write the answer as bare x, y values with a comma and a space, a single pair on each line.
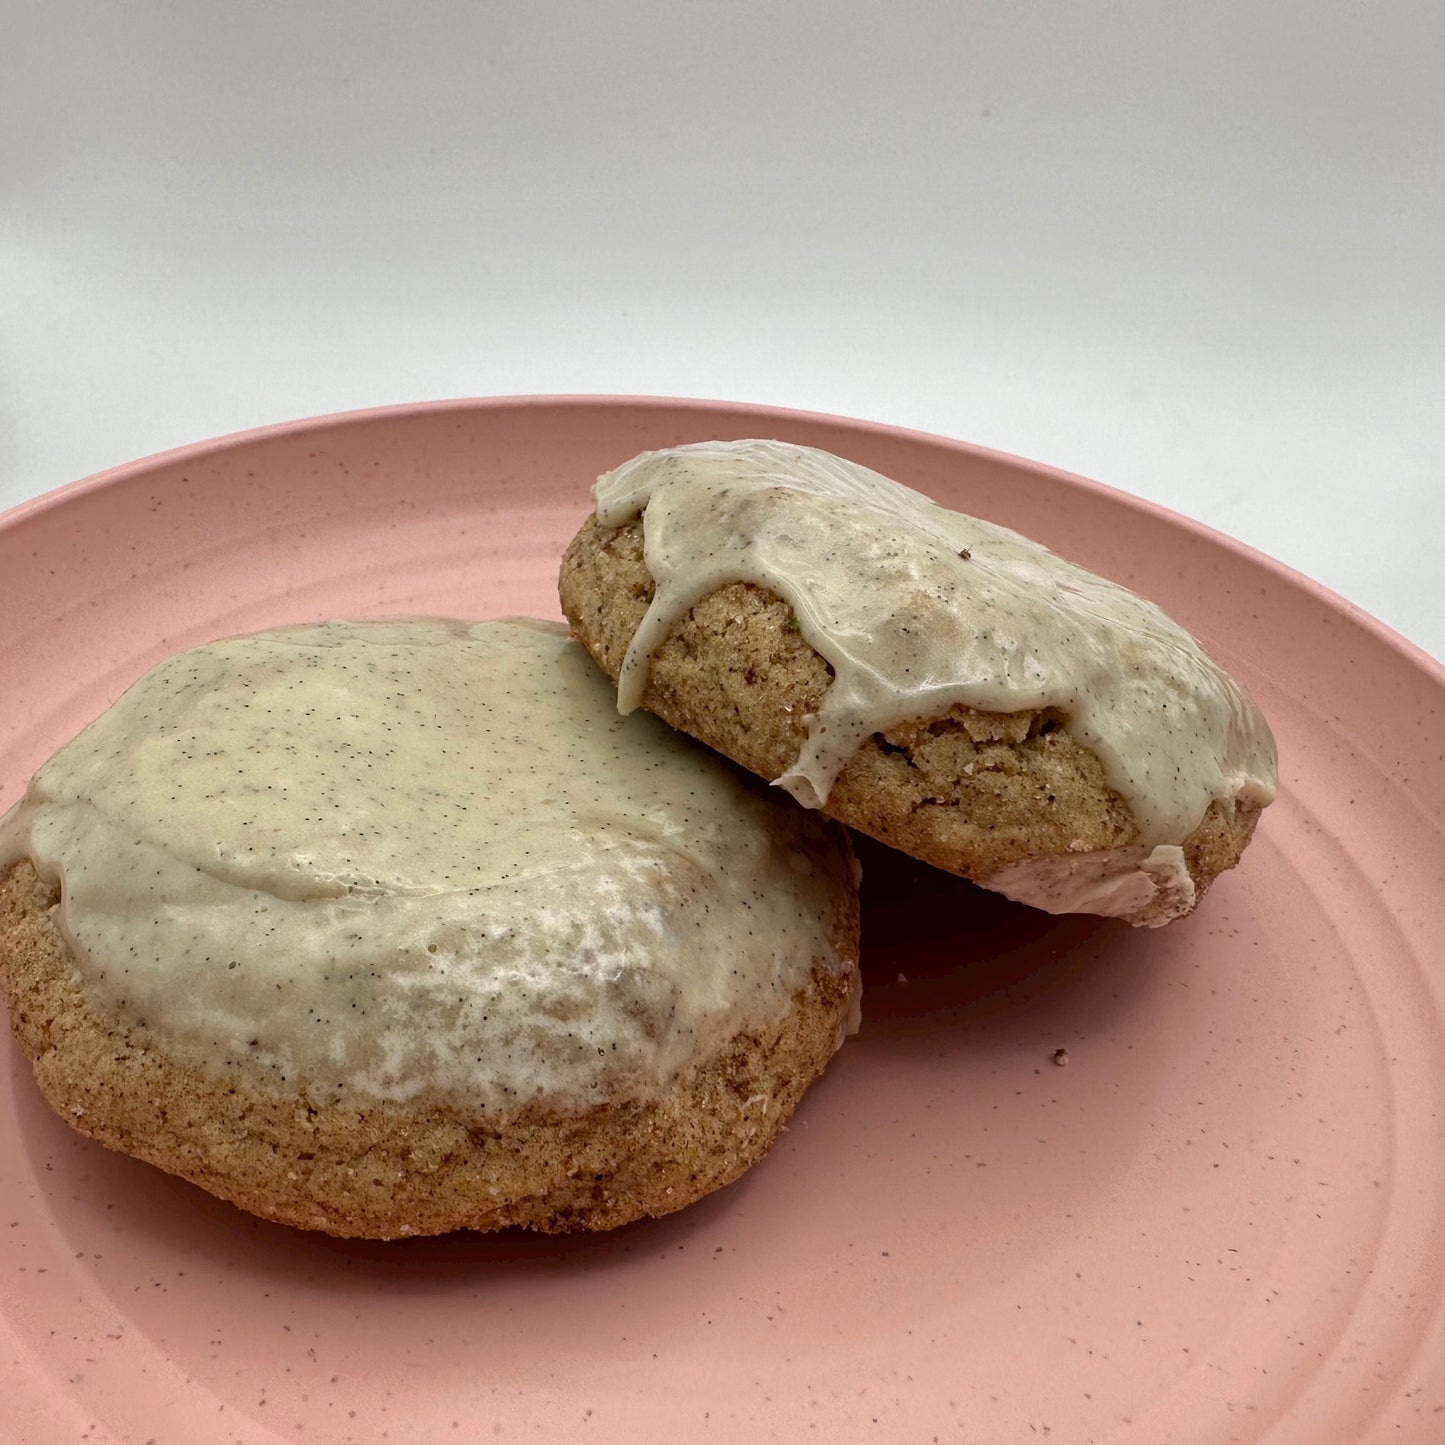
68, 492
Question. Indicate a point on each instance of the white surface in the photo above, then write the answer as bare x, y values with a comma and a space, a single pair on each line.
1192, 251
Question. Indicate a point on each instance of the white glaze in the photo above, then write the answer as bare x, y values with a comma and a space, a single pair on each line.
1146, 885
917, 608
389, 860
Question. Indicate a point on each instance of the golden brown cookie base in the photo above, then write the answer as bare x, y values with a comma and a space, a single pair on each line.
384, 1171
971, 792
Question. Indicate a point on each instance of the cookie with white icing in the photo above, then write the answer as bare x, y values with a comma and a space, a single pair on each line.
395, 928
929, 678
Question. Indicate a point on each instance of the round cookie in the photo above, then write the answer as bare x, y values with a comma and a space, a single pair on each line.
396, 928
938, 682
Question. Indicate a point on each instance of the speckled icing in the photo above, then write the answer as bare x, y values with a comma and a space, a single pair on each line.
917, 608
414, 858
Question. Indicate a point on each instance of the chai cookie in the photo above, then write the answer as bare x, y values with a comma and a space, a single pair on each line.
391, 928
934, 680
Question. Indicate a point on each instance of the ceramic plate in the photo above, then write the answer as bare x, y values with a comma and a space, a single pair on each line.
1220, 1220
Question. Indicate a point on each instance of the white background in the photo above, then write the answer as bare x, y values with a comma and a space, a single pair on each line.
1194, 251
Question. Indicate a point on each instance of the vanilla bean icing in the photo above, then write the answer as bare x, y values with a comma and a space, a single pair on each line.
424, 858
916, 609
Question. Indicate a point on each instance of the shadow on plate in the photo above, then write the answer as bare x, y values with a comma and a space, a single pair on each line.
941, 956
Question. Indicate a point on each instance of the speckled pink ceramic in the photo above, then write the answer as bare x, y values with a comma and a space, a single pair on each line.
1220, 1220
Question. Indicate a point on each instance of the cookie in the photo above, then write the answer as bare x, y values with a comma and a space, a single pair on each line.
397, 927
936, 681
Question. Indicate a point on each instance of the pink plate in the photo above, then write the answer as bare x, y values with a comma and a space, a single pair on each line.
1220, 1220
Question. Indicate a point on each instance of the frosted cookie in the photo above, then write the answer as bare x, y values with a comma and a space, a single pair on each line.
389, 928
934, 680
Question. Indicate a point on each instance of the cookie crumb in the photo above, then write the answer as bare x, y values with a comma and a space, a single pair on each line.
1061, 1057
